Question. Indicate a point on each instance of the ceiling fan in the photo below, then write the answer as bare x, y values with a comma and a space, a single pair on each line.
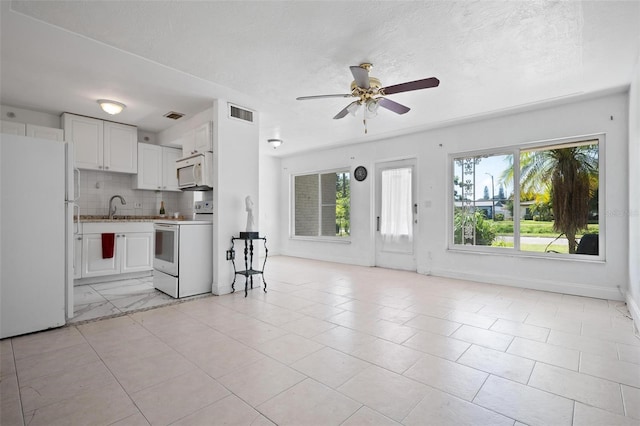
370, 95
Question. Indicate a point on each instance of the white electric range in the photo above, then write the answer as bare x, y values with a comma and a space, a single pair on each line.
183, 259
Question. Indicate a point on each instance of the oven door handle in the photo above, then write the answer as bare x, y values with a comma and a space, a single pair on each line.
163, 226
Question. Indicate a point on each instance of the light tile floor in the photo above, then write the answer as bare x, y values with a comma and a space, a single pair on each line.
332, 344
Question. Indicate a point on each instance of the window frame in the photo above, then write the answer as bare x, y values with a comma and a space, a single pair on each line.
516, 150
292, 203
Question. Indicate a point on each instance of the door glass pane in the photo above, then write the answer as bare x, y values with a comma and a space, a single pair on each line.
396, 218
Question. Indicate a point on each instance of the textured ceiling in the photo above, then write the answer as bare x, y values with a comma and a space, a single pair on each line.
158, 56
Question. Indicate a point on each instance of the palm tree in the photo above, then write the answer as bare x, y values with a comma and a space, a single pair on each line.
572, 174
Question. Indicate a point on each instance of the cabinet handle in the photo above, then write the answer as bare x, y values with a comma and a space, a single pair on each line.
158, 187
99, 167
106, 167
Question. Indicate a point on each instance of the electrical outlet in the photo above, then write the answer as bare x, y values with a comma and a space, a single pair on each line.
231, 255
137, 205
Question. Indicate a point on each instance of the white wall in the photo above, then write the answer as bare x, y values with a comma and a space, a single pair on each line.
432, 148
172, 135
270, 211
21, 115
633, 295
236, 175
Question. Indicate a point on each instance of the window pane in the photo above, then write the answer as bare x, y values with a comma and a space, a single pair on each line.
307, 213
559, 199
321, 204
343, 204
483, 200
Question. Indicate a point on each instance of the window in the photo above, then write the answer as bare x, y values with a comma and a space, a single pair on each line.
321, 204
555, 210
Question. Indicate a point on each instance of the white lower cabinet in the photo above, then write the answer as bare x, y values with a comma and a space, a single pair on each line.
136, 252
132, 253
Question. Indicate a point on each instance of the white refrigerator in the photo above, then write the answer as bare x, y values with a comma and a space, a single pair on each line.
37, 200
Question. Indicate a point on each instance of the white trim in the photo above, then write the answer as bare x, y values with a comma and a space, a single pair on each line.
322, 238
292, 204
634, 310
607, 293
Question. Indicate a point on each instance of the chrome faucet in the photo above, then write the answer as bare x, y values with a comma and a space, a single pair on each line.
112, 208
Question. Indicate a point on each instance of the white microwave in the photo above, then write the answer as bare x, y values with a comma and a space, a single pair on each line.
195, 173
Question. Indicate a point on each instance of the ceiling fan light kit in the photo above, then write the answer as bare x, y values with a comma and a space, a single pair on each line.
369, 92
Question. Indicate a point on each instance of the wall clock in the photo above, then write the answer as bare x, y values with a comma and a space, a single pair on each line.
360, 173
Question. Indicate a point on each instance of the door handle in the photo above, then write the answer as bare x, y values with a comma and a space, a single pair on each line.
378, 224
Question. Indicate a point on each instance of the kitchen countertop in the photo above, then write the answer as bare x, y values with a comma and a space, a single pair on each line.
89, 218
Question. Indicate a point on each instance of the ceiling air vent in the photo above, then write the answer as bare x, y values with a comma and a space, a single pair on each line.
174, 115
240, 113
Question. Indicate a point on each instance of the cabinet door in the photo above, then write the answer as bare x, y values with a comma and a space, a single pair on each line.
203, 140
120, 148
136, 252
149, 167
188, 143
77, 256
93, 265
169, 176
12, 128
43, 132
88, 138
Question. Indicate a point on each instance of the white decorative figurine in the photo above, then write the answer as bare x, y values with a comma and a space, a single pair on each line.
249, 208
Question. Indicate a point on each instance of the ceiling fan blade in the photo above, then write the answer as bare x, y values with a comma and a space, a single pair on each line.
411, 85
361, 76
345, 111
393, 106
304, 98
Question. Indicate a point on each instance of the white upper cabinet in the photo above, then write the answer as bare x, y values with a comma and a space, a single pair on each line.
156, 168
120, 148
198, 140
12, 128
87, 134
102, 145
169, 175
43, 132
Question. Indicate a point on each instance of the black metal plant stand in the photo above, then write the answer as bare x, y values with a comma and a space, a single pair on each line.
248, 272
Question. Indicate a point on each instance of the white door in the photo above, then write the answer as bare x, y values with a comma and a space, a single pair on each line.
120, 148
396, 214
136, 252
88, 138
169, 176
149, 166
93, 264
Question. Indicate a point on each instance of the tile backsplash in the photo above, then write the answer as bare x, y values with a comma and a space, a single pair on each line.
96, 188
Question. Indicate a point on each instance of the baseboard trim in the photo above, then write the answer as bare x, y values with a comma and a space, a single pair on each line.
634, 310
542, 285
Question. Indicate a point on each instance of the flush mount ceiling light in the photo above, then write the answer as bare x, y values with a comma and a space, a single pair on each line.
275, 142
111, 107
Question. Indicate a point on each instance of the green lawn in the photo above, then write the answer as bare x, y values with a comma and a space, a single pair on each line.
540, 248
533, 228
